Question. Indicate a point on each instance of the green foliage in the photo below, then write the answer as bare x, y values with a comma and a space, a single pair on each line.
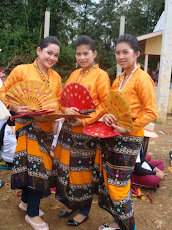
22, 28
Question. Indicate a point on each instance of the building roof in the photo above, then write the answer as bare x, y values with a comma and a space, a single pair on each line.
160, 24
150, 35
158, 30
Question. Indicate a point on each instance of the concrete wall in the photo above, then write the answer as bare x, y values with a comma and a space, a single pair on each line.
169, 109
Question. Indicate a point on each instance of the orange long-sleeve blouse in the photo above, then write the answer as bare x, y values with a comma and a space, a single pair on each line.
97, 82
31, 72
140, 93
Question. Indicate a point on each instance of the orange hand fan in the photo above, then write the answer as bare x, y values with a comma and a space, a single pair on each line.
77, 95
32, 93
100, 129
117, 104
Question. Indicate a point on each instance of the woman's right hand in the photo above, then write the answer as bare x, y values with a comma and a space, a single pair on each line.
160, 174
19, 109
109, 119
72, 111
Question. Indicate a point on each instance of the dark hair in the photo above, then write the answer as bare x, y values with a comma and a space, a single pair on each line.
48, 40
131, 40
85, 40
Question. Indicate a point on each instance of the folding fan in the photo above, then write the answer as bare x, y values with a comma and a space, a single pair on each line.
55, 116
116, 104
32, 93
30, 114
77, 95
100, 129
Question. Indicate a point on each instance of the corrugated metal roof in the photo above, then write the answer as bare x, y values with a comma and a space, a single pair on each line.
160, 24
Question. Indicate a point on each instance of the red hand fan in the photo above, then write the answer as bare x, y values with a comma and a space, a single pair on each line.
30, 114
100, 129
77, 95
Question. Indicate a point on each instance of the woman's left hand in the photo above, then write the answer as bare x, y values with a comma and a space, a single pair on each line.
119, 129
77, 122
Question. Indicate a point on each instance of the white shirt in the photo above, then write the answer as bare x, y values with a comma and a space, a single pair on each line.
9, 144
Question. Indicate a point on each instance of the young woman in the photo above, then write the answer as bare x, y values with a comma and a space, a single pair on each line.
32, 163
75, 152
119, 153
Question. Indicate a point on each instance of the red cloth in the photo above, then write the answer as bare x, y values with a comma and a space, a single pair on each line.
148, 181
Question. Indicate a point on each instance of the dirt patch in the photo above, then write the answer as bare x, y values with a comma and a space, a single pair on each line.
148, 216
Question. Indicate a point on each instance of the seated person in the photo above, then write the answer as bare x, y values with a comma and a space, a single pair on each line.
8, 140
147, 173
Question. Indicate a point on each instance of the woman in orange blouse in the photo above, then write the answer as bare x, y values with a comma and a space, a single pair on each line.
75, 152
32, 164
119, 153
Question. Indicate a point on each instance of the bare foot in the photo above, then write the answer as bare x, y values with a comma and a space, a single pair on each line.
79, 218
36, 220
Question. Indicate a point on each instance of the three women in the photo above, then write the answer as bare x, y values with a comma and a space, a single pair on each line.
76, 152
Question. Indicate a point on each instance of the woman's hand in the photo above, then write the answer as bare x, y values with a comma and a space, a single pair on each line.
74, 122
19, 109
51, 154
109, 119
160, 174
72, 111
119, 129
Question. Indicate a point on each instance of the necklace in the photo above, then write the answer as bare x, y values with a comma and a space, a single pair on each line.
41, 75
83, 74
127, 78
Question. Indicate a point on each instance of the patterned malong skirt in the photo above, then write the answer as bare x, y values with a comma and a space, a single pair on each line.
73, 167
32, 164
118, 156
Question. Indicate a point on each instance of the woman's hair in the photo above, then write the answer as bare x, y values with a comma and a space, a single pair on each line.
48, 40
85, 40
131, 40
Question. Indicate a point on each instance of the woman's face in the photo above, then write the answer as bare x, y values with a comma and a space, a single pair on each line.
48, 56
125, 56
85, 56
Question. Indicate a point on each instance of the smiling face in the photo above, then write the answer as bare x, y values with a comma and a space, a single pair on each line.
47, 57
126, 56
85, 56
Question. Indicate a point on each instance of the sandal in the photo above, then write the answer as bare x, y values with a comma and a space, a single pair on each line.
21, 207
43, 226
106, 227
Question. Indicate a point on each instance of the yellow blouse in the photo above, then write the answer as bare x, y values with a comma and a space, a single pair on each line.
97, 82
139, 91
30, 72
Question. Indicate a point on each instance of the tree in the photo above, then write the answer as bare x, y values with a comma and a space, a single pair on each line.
22, 25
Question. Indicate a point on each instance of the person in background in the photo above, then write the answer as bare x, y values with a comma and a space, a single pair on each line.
32, 162
8, 140
155, 75
147, 173
75, 151
119, 153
